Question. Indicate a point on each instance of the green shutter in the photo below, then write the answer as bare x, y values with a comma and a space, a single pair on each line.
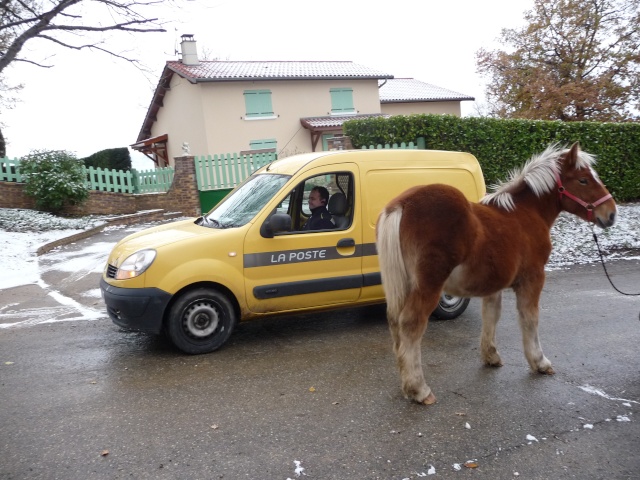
258, 103
264, 143
342, 100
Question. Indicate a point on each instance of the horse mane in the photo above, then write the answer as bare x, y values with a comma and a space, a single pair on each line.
538, 173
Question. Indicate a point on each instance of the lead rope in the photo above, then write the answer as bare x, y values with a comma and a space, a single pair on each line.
595, 238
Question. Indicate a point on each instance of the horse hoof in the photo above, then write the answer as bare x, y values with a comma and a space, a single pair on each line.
548, 371
430, 400
494, 364
491, 358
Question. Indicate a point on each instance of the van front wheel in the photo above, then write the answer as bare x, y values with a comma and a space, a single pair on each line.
201, 321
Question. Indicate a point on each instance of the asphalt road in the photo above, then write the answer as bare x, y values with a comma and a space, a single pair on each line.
317, 396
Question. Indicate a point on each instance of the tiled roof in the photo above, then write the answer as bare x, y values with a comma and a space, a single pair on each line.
313, 123
397, 90
336, 120
220, 71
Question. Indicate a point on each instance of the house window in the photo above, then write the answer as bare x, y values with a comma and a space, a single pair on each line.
258, 104
268, 143
342, 101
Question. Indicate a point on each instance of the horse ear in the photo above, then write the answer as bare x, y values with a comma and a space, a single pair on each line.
572, 155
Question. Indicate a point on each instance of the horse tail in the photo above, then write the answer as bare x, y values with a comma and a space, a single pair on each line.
395, 278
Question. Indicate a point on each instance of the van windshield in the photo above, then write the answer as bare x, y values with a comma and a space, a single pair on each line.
245, 202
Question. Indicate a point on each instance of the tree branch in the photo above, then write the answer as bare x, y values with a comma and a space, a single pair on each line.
25, 20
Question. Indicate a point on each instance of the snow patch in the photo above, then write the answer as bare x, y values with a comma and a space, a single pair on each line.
596, 391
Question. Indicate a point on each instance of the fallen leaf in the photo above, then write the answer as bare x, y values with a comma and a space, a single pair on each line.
8, 363
104, 453
335, 403
471, 464
214, 426
461, 414
312, 389
93, 382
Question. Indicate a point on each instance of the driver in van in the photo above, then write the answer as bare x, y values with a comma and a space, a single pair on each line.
320, 218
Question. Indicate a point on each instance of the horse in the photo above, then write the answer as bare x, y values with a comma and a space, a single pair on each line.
431, 239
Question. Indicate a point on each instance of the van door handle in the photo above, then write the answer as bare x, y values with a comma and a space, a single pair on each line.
346, 242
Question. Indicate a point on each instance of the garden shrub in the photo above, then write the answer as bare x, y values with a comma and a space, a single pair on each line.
110, 159
501, 145
55, 178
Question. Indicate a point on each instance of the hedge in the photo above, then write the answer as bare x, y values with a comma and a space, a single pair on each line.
502, 145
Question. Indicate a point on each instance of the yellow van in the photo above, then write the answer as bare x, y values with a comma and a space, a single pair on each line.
251, 255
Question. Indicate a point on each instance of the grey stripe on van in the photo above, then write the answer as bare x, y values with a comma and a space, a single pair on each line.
307, 286
283, 257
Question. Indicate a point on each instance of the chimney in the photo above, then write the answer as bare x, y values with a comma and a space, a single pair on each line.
189, 51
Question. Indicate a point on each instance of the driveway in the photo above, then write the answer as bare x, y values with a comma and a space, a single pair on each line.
315, 396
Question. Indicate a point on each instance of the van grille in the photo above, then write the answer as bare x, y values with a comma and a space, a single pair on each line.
111, 271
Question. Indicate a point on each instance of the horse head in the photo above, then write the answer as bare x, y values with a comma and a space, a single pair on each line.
580, 190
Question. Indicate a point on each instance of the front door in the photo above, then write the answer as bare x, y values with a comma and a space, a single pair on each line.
304, 268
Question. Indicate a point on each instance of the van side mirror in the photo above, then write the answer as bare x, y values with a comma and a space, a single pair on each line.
276, 223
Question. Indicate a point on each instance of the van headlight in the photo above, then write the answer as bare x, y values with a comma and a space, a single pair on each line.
135, 264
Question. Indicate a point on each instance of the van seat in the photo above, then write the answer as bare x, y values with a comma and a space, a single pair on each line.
337, 208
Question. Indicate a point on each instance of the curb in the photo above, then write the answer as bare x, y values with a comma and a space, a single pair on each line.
146, 216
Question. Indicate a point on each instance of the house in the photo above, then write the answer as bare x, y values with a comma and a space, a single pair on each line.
213, 107
406, 96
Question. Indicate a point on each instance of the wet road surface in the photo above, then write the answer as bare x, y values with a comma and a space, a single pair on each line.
315, 396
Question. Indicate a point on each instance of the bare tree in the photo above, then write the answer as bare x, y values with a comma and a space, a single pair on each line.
65, 23
72, 24
574, 60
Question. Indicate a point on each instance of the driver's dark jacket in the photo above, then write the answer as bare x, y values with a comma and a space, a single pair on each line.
320, 219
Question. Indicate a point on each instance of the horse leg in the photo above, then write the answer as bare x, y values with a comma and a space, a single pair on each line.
491, 309
407, 334
527, 300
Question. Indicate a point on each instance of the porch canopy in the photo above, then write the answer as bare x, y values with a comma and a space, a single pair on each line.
319, 126
155, 148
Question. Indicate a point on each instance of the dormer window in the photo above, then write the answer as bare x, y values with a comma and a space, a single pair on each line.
342, 101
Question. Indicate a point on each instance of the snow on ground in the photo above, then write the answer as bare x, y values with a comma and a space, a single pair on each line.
573, 239
23, 231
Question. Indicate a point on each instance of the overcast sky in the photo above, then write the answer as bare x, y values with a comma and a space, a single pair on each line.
89, 101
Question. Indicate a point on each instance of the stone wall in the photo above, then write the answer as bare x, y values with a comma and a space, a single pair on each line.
182, 197
12, 196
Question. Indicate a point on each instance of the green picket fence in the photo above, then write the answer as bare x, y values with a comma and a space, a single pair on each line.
147, 181
10, 170
228, 170
213, 173
106, 180
419, 145
153, 181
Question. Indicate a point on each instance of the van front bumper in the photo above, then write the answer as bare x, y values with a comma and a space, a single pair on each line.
139, 309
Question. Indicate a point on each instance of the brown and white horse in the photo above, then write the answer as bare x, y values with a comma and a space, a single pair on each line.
430, 239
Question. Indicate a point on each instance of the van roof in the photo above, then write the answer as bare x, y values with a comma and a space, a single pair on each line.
432, 158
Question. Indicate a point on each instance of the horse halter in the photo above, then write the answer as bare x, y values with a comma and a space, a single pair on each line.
589, 206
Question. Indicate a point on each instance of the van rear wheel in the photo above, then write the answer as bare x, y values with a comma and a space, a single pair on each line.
450, 307
201, 321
